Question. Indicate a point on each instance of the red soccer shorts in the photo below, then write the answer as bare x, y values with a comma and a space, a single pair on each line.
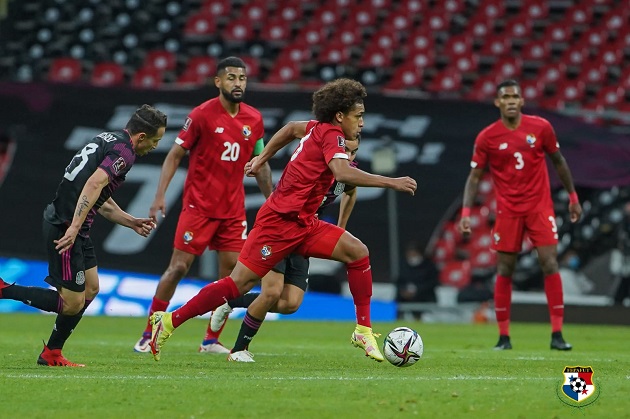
275, 236
509, 231
196, 232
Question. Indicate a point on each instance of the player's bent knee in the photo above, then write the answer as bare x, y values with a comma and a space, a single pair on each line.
72, 308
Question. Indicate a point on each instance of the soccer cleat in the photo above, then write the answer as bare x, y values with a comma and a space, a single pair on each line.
162, 329
213, 346
557, 342
3, 285
219, 317
54, 358
241, 356
503, 343
364, 338
142, 345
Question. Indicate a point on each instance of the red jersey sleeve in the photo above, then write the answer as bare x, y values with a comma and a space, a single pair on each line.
334, 145
550, 141
191, 130
480, 155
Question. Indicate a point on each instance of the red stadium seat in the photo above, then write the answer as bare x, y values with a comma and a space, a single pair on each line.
284, 72
479, 27
579, 16
610, 54
199, 68
65, 70
532, 90
348, 35
406, 76
376, 57
436, 22
456, 273
593, 73
571, 91
216, 8
385, 38
575, 56
494, 47
161, 60
239, 31
421, 40
399, 21
466, 63
412, 7
507, 68
448, 80
617, 18
362, 16
147, 78
200, 26
253, 66
492, 9
451, 7
313, 34
422, 59
483, 89
327, 16
107, 74
536, 52
483, 259
276, 31
298, 51
290, 11
594, 37
254, 12
610, 97
535, 10
519, 27
559, 34
334, 53
552, 72
458, 45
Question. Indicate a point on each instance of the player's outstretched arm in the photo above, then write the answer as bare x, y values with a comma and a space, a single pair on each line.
286, 134
470, 191
343, 172
169, 167
112, 212
564, 173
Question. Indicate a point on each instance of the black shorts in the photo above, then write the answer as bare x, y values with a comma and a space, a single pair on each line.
295, 270
68, 270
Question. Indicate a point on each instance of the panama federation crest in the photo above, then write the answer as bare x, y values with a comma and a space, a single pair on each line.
578, 386
531, 139
247, 131
265, 252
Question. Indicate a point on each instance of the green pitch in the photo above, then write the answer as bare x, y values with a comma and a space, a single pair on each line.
307, 370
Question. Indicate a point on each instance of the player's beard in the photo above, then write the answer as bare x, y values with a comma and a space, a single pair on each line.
230, 97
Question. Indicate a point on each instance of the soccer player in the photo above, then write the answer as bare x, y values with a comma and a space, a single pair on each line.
86, 188
221, 135
284, 286
287, 221
513, 150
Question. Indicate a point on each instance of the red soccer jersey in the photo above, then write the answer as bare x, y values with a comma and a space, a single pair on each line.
307, 177
219, 147
516, 160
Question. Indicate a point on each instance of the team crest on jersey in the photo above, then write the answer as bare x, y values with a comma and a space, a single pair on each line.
578, 384
247, 131
80, 280
119, 165
265, 251
531, 139
188, 236
187, 124
341, 141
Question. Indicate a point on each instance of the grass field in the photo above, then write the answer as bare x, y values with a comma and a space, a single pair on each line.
307, 370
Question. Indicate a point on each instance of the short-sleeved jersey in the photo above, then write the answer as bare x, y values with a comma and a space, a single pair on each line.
307, 177
516, 161
110, 151
219, 145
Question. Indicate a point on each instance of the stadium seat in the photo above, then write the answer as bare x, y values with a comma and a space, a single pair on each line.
435, 22
451, 7
238, 31
479, 27
216, 8
65, 70
483, 259
254, 12
284, 72
333, 53
376, 57
161, 60
535, 10
610, 97
594, 37
200, 26
253, 66
507, 68
610, 54
385, 38
405, 76
519, 28
466, 63
532, 90
326, 16
399, 21
313, 34
494, 47
298, 51
575, 56
552, 72
362, 16
492, 10
412, 7
536, 52
107, 74
559, 35
348, 35
458, 45
276, 31
198, 70
593, 73
616, 18
290, 11
421, 40
579, 16
571, 91
147, 78
448, 80
456, 273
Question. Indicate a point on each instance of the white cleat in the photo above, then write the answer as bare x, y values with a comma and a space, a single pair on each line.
219, 317
142, 345
241, 356
213, 348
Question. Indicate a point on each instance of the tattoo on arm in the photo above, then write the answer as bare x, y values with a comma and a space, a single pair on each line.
84, 203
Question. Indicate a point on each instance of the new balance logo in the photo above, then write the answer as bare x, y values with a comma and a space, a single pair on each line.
503, 146
219, 130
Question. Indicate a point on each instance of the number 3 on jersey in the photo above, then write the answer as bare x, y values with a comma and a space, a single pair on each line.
520, 163
231, 152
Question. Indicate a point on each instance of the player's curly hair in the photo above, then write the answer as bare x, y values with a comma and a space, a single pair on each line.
337, 96
146, 119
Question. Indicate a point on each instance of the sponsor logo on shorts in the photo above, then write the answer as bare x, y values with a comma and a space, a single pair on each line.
80, 280
247, 131
188, 236
265, 251
497, 238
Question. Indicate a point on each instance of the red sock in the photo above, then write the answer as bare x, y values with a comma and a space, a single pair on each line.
156, 305
502, 303
555, 300
208, 298
360, 281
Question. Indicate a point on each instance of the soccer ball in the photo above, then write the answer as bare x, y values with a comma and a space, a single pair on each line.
578, 385
403, 347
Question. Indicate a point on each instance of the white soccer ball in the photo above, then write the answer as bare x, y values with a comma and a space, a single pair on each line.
403, 347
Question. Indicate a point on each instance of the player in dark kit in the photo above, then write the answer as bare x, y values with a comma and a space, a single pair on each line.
287, 221
284, 286
513, 149
88, 183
